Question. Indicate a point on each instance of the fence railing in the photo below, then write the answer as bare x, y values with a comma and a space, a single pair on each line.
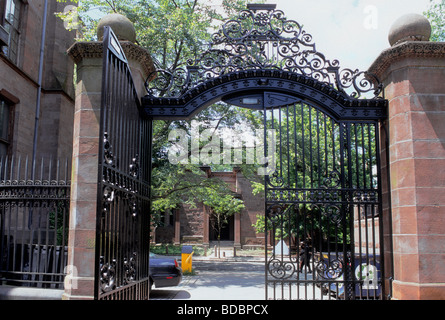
34, 220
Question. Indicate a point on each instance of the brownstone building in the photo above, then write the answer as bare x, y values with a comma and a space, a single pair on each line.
36, 82
36, 123
193, 225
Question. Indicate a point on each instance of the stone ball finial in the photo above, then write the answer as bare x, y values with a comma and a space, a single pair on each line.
410, 27
122, 27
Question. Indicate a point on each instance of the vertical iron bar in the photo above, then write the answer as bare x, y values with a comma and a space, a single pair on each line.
266, 259
310, 149
344, 201
303, 149
296, 151
358, 206
350, 216
382, 259
100, 205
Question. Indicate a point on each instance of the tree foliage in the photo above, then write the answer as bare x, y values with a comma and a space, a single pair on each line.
222, 207
174, 31
436, 15
317, 158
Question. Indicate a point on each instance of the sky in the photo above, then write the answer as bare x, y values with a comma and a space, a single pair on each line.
354, 32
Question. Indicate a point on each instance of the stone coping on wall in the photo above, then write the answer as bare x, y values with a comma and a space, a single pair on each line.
414, 49
94, 49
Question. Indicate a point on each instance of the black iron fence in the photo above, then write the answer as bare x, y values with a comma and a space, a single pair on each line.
34, 220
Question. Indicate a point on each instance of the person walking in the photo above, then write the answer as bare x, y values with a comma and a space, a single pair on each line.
305, 256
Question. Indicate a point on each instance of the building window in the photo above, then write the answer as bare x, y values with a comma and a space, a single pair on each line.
5, 117
11, 24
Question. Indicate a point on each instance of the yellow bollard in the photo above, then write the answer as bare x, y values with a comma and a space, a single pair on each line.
186, 259
187, 262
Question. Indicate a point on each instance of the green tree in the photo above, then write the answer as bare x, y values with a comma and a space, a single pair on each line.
174, 31
222, 207
317, 158
436, 15
174, 184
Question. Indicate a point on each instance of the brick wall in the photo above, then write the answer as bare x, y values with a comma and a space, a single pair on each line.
21, 81
195, 229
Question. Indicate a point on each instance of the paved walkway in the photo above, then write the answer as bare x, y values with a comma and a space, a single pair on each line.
218, 280
234, 278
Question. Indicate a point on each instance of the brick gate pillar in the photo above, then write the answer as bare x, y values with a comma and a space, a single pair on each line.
413, 74
80, 280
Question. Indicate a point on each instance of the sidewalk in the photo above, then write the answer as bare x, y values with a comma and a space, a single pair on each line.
227, 253
235, 278
220, 279
223, 285
239, 277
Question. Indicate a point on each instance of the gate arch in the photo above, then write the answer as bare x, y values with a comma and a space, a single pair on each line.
328, 162
249, 82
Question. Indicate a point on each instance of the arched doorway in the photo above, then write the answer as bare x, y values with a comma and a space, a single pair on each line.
321, 164
227, 232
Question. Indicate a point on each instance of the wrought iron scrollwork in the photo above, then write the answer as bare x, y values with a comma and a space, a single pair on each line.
130, 269
276, 210
134, 167
332, 180
108, 198
108, 154
261, 38
280, 269
107, 275
334, 213
133, 205
330, 269
120, 192
275, 180
120, 184
365, 196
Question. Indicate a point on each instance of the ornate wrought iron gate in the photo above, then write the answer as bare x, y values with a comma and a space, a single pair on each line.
123, 224
322, 185
323, 211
